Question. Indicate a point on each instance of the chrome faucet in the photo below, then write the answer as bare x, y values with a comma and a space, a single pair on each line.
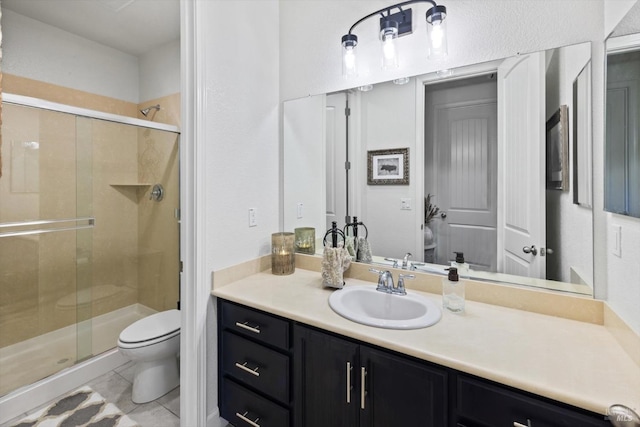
405, 260
385, 282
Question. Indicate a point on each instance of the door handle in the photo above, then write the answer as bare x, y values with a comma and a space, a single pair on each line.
443, 215
530, 250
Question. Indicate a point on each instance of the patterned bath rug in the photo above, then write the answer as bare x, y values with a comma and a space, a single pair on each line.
80, 408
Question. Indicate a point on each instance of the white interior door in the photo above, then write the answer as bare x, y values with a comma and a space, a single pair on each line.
462, 170
521, 166
336, 123
304, 164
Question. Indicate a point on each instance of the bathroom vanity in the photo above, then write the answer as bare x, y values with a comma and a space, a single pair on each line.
286, 359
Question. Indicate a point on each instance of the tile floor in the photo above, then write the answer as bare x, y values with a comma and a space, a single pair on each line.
115, 387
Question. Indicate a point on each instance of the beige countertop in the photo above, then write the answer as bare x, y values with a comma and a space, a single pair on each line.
570, 361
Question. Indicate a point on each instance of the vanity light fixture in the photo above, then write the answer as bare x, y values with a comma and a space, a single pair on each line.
392, 26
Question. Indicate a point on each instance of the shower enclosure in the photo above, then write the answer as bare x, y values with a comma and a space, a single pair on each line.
85, 248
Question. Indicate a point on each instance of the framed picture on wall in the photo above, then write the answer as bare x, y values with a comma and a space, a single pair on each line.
388, 167
558, 150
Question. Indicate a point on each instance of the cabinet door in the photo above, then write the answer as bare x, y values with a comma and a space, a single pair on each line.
480, 403
401, 392
325, 380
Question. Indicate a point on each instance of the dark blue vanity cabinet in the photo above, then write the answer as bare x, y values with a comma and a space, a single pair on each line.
275, 372
341, 383
255, 367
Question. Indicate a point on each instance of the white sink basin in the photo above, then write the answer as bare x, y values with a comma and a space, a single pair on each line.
363, 304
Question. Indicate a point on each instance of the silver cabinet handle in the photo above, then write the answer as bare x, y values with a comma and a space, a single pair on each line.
517, 424
245, 325
245, 368
244, 418
363, 391
530, 250
349, 368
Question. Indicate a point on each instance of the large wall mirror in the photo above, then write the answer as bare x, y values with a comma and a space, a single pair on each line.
622, 145
501, 149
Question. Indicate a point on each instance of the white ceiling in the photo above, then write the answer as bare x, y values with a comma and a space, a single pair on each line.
131, 26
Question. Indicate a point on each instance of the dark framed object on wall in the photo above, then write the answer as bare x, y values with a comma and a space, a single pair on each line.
557, 165
388, 167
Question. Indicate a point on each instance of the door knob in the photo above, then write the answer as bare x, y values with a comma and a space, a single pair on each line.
530, 250
443, 215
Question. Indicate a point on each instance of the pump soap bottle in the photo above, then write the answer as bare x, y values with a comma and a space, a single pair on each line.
461, 265
453, 292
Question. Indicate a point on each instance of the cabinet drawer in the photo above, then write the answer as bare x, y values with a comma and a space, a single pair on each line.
257, 325
262, 368
243, 408
489, 404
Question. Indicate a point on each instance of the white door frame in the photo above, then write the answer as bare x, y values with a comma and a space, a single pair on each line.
421, 82
196, 288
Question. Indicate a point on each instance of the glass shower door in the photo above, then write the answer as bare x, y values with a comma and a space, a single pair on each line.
46, 233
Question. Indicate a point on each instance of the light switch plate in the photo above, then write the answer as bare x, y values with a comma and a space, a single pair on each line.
300, 210
405, 204
253, 220
616, 240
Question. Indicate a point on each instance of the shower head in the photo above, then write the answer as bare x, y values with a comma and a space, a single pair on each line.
145, 111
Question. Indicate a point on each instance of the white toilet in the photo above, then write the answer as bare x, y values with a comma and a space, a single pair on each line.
153, 343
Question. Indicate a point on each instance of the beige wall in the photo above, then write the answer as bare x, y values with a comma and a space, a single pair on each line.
135, 243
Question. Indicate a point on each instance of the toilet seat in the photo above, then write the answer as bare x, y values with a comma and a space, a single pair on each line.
151, 330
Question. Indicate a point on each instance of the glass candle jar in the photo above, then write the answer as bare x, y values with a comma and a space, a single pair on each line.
283, 260
305, 240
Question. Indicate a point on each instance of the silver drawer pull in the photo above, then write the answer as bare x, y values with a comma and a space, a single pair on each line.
363, 390
245, 368
349, 368
244, 418
517, 424
245, 325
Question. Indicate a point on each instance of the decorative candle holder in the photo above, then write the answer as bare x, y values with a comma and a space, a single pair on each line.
283, 260
305, 240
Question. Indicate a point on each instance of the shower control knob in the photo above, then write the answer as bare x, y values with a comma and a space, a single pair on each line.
157, 193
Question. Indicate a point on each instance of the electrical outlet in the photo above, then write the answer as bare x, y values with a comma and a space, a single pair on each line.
253, 221
405, 204
300, 210
616, 240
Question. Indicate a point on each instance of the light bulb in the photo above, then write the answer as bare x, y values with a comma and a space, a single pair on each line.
437, 32
349, 43
388, 37
437, 36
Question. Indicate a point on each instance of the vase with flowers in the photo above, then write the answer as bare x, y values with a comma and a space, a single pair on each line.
430, 211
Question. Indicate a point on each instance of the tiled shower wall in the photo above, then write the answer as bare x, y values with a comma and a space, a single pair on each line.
135, 242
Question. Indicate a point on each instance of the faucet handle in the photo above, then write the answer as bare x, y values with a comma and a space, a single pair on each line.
394, 261
400, 290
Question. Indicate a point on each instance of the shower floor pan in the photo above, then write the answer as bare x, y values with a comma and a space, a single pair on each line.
28, 361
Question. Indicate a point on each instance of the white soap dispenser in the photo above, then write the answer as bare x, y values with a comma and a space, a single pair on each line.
461, 265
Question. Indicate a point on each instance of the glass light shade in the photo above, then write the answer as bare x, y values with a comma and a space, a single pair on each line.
388, 36
349, 63
437, 32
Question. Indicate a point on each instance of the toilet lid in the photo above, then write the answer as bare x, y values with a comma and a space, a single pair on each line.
151, 327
